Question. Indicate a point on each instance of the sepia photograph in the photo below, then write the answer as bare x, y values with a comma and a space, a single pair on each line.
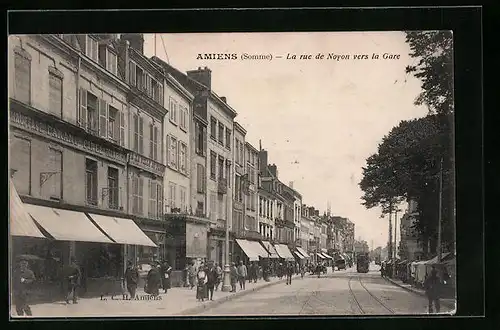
231, 174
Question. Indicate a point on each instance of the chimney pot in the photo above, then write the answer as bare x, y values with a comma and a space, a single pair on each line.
223, 98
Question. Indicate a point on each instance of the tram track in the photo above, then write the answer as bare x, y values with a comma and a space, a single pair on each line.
358, 304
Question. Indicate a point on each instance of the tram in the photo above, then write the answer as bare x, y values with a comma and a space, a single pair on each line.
362, 263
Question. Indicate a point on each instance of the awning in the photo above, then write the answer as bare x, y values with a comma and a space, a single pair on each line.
21, 223
304, 253
65, 225
283, 251
259, 249
297, 253
435, 259
327, 256
320, 255
247, 249
123, 231
271, 250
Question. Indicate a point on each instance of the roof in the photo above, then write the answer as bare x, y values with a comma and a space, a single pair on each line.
251, 147
237, 126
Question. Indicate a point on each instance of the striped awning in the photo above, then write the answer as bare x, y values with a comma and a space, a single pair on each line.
271, 250
327, 256
304, 253
123, 231
284, 252
259, 249
248, 250
320, 255
297, 253
21, 223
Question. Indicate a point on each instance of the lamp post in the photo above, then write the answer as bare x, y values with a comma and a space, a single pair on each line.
226, 284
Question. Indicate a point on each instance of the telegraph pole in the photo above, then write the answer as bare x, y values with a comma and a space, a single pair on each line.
440, 208
395, 242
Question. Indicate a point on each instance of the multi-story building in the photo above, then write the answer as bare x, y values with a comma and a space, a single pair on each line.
297, 212
288, 230
410, 247
70, 152
268, 211
239, 155
304, 228
323, 237
252, 170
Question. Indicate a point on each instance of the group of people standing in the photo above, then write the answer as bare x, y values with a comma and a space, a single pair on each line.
206, 278
157, 277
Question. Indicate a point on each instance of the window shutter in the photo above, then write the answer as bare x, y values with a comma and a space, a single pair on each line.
178, 154
151, 144
103, 119
119, 125
141, 194
156, 144
132, 77
136, 133
160, 89
141, 135
203, 147
82, 113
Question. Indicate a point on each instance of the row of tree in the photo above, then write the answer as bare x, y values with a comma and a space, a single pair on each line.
409, 159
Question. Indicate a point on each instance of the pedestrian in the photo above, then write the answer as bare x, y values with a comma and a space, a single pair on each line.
153, 281
218, 280
211, 280
191, 274
131, 278
302, 271
166, 273
234, 276
289, 273
22, 280
432, 287
242, 274
280, 271
201, 287
252, 273
72, 280
318, 269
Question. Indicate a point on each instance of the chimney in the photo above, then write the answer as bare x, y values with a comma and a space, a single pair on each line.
223, 98
202, 75
136, 41
290, 184
263, 161
274, 170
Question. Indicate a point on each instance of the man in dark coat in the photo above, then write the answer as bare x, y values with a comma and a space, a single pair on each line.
234, 277
211, 280
289, 272
72, 279
22, 279
131, 278
432, 287
166, 271
154, 280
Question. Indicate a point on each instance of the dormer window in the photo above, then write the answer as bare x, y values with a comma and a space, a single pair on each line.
91, 48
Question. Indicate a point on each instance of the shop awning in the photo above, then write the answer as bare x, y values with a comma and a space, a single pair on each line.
327, 256
123, 231
304, 253
271, 250
259, 249
320, 255
283, 251
247, 249
435, 259
297, 253
21, 223
65, 225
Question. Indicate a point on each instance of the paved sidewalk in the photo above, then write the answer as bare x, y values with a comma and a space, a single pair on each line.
450, 303
178, 301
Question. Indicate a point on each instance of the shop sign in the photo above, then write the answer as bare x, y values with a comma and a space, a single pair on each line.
36, 126
148, 164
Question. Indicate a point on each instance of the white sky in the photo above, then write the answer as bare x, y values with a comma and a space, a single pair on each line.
327, 115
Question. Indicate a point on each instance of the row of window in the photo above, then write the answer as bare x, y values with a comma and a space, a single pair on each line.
173, 189
102, 54
140, 78
177, 156
240, 152
178, 114
217, 207
224, 168
219, 127
266, 208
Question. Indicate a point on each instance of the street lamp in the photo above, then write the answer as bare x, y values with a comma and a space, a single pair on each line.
226, 283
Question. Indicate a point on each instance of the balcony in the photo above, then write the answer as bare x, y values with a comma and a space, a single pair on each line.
146, 163
222, 186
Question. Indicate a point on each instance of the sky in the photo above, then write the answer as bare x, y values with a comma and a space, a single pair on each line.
319, 119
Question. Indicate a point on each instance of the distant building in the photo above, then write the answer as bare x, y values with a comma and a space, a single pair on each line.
410, 247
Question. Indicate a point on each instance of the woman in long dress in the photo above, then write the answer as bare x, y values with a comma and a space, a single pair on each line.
201, 287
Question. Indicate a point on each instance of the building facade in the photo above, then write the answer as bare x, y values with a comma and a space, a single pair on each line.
240, 175
252, 171
410, 247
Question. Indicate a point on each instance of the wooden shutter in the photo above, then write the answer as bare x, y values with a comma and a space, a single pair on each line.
159, 195
141, 194
141, 135
132, 72
160, 91
156, 144
151, 144
136, 133
118, 125
203, 147
82, 113
103, 118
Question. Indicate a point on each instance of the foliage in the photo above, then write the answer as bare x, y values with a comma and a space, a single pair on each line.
434, 52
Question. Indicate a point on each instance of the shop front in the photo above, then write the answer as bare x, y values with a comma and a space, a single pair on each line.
217, 246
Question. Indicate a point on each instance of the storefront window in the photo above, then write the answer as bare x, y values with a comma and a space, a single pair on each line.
99, 260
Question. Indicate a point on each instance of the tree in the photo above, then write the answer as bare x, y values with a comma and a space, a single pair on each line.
434, 52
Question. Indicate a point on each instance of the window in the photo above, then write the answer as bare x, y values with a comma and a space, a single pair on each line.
221, 168
172, 152
22, 78
221, 212
242, 154
228, 138
200, 178
159, 195
132, 74
50, 178
153, 199
91, 48
92, 112
113, 190
183, 195
237, 151
20, 161
213, 207
113, 123
137, 194
91, 181
228, 173
213, 127
221, 133
140, 78
136, 132
111, 63
173, 111
55, 94
213, 165
171, 195
141, 135
183, 157
200, 139
153, 142
237, 187
184, 117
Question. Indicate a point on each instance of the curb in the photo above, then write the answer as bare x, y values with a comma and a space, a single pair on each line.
420, 293
215, 303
